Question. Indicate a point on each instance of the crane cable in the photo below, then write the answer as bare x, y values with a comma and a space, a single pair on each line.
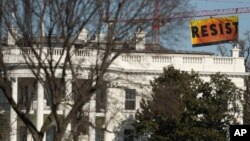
229, 1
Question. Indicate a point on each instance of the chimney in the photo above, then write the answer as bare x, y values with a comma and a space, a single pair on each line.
235, 52
140, 40
101, 37
83, 35
10, 40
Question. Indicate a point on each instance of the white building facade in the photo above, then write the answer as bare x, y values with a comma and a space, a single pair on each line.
130, 76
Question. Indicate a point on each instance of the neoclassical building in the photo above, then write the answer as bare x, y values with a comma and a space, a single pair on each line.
130, 76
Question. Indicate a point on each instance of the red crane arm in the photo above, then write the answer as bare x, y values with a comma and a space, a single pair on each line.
215, 12
193, 14
157, 19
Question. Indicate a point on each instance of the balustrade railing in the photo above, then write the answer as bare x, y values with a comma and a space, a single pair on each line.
81, 52
162, 59
132, 58
220, 60
146, 60
192, 60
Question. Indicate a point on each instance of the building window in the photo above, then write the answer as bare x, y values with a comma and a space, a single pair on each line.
24, 95
99, 134
129, 135
130, 95
48, 97
4, 104
23, 134
100, 100
50, 134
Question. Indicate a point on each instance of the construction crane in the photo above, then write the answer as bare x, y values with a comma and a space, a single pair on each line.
203, 13
156, 23
215, 12
157, 20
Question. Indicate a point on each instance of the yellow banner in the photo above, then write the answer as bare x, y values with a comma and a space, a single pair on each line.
214, 30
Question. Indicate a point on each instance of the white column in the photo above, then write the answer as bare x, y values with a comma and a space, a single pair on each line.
115, 104
235, 51
92, 105
10, 40
13, 115
140, 40
67, 107
29, 137
40, 107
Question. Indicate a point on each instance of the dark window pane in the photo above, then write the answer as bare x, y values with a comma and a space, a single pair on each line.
130, 94
23, 134
99, 134
50, 134
130, 99
100, 100
130, 105
129, 135
23, 97
4, 104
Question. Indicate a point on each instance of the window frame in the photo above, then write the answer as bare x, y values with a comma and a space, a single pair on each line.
23, 133
50, 134
3, 101
99, 132
130, 99
130, 136
23, 97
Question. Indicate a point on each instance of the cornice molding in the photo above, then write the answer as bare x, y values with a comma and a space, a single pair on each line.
150, 72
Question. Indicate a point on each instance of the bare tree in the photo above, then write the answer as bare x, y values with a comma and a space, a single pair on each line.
244, 46
245, 52
47, 35
4, 125
223, 50
245, 49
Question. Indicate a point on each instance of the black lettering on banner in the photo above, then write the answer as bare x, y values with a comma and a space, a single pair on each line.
213, 29
228, 28
204, 31
221, 29
236, 27
239, 132
194, 31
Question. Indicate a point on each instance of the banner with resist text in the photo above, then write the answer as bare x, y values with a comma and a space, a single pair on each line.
214, 30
